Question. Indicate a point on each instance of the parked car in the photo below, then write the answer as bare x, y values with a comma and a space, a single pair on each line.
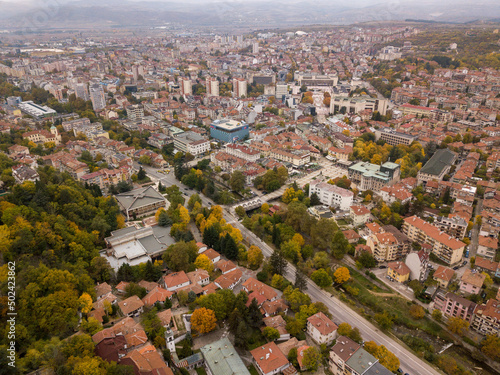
382, 267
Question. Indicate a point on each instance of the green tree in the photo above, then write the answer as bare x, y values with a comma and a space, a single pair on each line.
271, 333
134, 289
311, 359
141, 175
340, 245
321, 278
277, 262
384, 320
237, 181
300, 280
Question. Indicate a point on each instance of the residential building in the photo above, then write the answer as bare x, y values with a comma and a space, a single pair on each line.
269, 359
229, 131
485, 265
175, 280
146, 360
340, 353
384, 246
437, 166
321, 329
135, 112
132, 306
444, 246
222, 358
487, 247
242, 152
374, 177
141, 202
239, 87
191, 142
81, 91
277, 322
417, 263
297, 158
443, 276
452, 305
398, 271
185, 85
258, 290
199, 276
331, 195
455, 226
43, 136
471, 281
22, 173
486, 319
360, 362
359, 215
212, 86
229, 280
158, 294
97, 97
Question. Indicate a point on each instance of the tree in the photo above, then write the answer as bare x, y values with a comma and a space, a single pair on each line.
457, 325
322, 233
416, 286
271, 333
240, 211
134, 289
491, 347
141, 175
384, 320
437, 315
204, 262
180, 255
321, 278
314, 200
100, 269
277, 262
339, 245
300, 280
341, 275
291, 250
254, 257
241, 336
203, 320
311, 359
264, 208
366, 260
344, 329
386, 358
417, 311
237, 181
85, 303
230, 249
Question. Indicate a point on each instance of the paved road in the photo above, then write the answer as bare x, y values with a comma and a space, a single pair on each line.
475, 230
340, 312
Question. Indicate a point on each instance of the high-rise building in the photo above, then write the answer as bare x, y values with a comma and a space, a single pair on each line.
81, 91
212, 85
255, 47
239, 87
97, 97
135, 72
135, 112
186, 86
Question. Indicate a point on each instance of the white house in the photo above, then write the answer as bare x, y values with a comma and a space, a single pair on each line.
321, 329
331, 195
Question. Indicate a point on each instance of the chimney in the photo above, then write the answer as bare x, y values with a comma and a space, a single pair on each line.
267, 356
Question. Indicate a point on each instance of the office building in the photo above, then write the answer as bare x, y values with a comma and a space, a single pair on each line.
212, 85
358, 104
35, 110
394, 138
229, 131
222, 358
191, 142
374, 177
239, 87
97, 97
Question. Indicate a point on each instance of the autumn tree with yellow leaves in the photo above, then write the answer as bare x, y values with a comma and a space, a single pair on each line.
203, 320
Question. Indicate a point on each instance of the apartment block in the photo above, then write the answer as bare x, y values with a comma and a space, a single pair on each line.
444, 246
331, 195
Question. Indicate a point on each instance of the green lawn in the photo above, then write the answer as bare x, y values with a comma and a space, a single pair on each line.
252, 370
201, 371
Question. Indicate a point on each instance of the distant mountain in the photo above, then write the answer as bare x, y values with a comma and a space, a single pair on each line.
236, 13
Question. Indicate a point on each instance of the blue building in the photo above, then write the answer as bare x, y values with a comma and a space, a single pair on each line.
229, 131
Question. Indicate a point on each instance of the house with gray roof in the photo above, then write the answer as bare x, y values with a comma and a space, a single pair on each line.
221, 358
141, 202
437, 166
360, 362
